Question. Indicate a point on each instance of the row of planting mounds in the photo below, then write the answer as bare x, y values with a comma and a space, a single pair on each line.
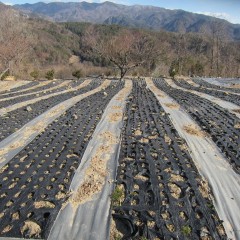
35, 182
159, 193
19, 99
233, 98
14, 120
36, 89
206, 84
221, 125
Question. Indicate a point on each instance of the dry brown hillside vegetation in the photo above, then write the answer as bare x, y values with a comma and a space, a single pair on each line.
31, 47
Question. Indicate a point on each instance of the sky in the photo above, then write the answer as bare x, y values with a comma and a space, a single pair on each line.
226, 9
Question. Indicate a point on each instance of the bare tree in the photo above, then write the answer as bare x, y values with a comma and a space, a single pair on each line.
126, 50
217, 39
14, 39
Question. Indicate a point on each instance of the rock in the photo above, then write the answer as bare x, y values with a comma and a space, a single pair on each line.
204, 232
105, 94
75, 116
28, 108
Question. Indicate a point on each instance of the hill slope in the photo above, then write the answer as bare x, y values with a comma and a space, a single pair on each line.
47, 43
155, 18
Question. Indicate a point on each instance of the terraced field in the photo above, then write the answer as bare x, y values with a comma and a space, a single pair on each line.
109, 159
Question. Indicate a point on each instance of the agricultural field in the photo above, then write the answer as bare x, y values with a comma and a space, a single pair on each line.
109, 159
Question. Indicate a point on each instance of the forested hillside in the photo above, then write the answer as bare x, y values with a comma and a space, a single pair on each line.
189, 54
33, 44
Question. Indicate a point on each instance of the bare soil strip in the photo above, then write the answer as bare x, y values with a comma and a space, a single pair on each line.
26, 103
13, 144
223, 181
86, 214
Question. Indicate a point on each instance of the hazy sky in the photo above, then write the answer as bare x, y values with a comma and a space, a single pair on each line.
227, 9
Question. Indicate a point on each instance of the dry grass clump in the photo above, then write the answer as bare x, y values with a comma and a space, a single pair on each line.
221, 230
144, 140
237, 125
7, 229
114, 117
116, 107
172, 105
193, 130
204, 189
138, 132
235, 86
167, 139
109, 137
176, 178
236, 110
96, 173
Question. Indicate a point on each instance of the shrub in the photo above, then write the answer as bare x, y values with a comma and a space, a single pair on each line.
77, 74
34, 74
108, 73
6, 74
50, 74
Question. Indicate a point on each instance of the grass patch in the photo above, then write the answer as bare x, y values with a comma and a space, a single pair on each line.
117, 196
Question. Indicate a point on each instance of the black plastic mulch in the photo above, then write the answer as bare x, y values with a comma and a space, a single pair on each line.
158, 179
219, 123
35, 182
227, 96
14, 120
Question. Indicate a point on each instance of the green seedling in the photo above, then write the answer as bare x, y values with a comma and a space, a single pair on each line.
117, 196
186, 230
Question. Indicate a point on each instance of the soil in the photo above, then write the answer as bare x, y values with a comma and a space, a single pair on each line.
114, 233
175, 190
32, 229
44, 204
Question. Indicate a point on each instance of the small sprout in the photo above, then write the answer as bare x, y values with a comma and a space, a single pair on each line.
211, 206
117, 196
186, 230
117, 237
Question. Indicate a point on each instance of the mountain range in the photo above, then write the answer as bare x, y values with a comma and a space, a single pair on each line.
138, 16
